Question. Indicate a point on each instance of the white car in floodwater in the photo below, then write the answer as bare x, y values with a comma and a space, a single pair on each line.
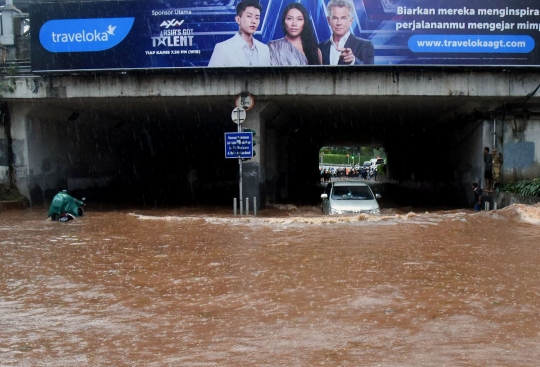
349, 197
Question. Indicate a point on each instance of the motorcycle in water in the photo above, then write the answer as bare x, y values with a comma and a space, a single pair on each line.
65, 207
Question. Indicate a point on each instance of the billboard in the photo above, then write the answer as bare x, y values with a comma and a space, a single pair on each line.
208, 33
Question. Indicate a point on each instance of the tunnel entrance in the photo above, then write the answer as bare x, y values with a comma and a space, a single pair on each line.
170, 151
356, 162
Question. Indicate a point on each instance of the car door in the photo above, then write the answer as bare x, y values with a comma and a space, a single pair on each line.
325, 205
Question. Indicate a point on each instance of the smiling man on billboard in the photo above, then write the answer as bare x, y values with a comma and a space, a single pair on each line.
243, 49
343, 48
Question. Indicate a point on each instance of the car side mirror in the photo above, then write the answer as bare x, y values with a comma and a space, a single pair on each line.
378, 196
324, 196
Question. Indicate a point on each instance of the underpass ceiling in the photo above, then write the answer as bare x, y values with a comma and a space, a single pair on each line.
373, 119
326, 119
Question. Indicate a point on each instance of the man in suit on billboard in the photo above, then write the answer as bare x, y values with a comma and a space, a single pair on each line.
243, 49
343, 48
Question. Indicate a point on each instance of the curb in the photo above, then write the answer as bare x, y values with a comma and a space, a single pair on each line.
12, 205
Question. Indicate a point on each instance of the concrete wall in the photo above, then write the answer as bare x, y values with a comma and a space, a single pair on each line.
521, 148
461, 154
51, 152
265, 82
504, 199
17, 113
3, 157
48, 155
467, 156
58, 153
439, 166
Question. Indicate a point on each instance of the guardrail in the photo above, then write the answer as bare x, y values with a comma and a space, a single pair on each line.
16, 67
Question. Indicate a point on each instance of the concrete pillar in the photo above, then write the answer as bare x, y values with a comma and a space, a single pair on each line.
19, 148
253, 170
487, 141
467, 155
275, 152
8, 37
271, 166
4, 177
265, 176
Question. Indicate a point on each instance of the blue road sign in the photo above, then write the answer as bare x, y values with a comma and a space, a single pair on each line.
239, 145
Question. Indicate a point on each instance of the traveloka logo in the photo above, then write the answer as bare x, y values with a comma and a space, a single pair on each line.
171, 23
84, 35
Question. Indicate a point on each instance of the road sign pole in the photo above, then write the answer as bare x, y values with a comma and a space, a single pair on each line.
238, 116
240, 182
239, 164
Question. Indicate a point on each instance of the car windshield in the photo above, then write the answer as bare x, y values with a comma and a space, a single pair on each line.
352, 193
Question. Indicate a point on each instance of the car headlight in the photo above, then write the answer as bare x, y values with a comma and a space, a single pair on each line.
335, 211
375, 211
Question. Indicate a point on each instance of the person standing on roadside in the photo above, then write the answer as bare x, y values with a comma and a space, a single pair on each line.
488, 169
497, 163
477, 197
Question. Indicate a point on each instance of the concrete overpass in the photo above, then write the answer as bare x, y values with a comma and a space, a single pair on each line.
157, 136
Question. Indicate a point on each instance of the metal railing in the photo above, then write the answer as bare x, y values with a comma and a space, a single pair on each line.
16, 67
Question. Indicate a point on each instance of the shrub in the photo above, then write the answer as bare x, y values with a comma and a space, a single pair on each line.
525, 187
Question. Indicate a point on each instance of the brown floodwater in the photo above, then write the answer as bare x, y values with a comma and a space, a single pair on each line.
200, 287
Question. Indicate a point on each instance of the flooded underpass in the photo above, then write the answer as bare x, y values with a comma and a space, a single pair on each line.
290, 287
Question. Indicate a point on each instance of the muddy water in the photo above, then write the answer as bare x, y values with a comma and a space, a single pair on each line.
288, 288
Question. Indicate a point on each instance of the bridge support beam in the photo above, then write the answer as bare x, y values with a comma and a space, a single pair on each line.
276, 153
267, 175
254, 169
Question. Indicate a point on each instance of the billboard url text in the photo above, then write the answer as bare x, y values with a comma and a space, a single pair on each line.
471, 44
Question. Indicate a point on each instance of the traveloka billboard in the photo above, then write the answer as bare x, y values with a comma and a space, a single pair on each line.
212, 33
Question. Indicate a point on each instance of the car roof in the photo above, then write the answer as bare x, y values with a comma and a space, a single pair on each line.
349, 183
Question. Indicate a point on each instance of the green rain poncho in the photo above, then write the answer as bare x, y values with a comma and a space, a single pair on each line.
63, 203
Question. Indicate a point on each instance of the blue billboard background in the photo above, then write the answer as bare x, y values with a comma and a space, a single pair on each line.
183, 33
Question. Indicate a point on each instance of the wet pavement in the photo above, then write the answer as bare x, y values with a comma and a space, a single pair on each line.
199, 287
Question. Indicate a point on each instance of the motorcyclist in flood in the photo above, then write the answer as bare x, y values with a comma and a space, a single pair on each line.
65, 207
